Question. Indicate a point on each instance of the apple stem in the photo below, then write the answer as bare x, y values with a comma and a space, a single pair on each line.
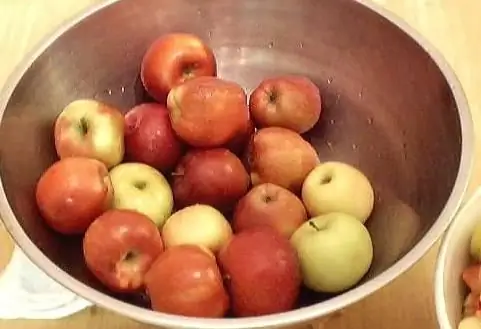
84, 126
312, 224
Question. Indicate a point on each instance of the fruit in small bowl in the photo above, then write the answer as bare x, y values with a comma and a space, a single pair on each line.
458, 270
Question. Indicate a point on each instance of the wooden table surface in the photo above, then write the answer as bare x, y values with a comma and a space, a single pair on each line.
453, 26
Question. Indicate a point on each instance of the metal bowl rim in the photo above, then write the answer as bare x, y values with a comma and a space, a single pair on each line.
268, 321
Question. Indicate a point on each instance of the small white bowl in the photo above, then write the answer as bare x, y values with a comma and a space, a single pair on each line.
453, 258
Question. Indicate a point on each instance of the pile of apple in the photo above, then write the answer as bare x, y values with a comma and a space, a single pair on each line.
207, 200
472, 278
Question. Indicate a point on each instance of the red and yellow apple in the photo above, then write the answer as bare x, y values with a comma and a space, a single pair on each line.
142, 188
185, 280
271, 205
173, 59
207, 111
262, 272
215, 177
335, 186
119, 247
280, 156
198, 224
149, 137
72, 193
292, 102
89, 128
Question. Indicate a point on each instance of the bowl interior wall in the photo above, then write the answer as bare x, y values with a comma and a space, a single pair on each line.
387, 107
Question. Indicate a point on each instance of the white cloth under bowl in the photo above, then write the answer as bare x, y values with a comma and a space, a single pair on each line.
26, 292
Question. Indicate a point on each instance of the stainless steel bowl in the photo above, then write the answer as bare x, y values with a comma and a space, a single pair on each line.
392, 106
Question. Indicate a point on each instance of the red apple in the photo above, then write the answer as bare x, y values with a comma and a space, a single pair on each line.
173, 59
185, 280
149, 137
280, 156
472, 277
89, 128
270, 205
262, 272
72, 192
292, 102
119, 247
208, 111
472, 305
214, 177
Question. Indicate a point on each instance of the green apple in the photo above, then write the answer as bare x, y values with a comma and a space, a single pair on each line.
338, 187
475, 244
142, 188
335, 251
199, 224
471, 322
89, 128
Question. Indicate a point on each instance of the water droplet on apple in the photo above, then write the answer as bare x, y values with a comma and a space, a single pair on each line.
332, 121
338, 99
354, 146
301, 45
370, 121
271, 45
330, 80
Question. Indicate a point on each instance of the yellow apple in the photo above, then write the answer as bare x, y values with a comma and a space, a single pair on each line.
142, 188
89, 128
335, 251
471, 322
338, 187
198, 224
475, 243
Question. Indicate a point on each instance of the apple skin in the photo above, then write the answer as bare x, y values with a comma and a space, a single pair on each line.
472, 305
173, 59
208, 112
239, 143
261, 271
335, 252
475, 243
142, 188
271, 205
214, 177
89, 128
185, 280
472, 322
338, 187
472, 277
292, 102
199, 225
149, 137
119, 247
72, 192
280, 156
